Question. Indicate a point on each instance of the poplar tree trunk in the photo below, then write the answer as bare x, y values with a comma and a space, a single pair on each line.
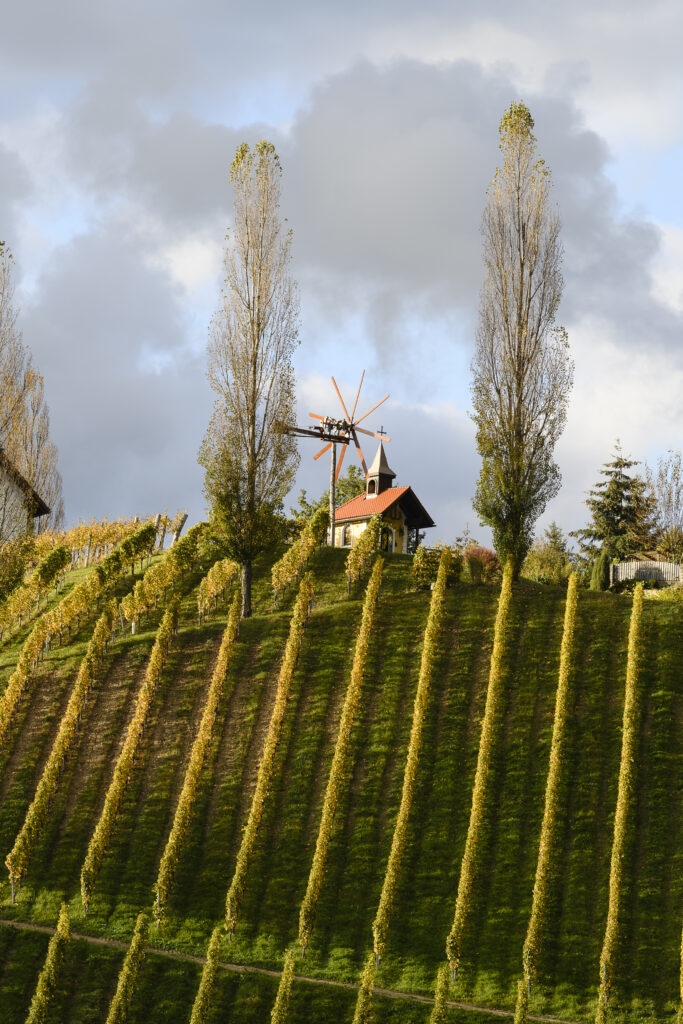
246, 589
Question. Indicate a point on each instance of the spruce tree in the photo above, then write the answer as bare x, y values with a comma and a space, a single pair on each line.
622, 512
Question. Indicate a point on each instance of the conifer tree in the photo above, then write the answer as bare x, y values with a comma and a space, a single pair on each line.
622, 512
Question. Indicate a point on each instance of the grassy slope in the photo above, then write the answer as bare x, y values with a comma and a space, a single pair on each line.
367, 807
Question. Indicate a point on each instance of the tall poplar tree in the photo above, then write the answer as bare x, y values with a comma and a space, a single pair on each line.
248, 459
522, 371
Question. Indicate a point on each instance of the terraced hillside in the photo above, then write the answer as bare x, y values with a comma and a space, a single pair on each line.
646, 982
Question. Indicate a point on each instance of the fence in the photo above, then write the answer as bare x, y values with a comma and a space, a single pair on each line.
663, 572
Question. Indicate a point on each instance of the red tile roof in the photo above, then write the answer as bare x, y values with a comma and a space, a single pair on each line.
363, 507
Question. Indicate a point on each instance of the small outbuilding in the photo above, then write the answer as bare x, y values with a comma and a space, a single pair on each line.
399, 508
20, 504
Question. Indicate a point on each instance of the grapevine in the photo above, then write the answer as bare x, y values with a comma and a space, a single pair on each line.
334, 782
183, 812
300, 614
100, 837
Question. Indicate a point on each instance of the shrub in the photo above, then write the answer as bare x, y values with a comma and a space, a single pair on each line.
480, 564
545, 563
426, 563
600, 572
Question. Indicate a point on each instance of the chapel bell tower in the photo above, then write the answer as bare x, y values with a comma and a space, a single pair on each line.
380, 475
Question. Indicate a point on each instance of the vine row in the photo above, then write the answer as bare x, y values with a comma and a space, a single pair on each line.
380, 927
469, 864
181, 820
18, 858
292, 564
100, 837
334, 782
78, 602
626, 788
300, 615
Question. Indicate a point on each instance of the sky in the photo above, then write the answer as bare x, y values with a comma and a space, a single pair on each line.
118, 124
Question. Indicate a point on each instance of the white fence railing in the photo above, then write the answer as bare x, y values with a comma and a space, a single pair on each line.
663, 572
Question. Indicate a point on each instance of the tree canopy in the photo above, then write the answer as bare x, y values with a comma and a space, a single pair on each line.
249, 458
522, 372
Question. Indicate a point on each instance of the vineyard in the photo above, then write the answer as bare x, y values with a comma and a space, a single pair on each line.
363, 795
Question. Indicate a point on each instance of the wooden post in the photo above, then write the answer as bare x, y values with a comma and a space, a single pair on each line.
176, 535
87, 554
333, 470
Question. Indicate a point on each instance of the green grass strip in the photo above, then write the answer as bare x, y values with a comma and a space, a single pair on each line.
380, 927
334, 782
47, 979
128, 975
622, 824
558, 753
469, 865
300, 615
183, 814
100, 837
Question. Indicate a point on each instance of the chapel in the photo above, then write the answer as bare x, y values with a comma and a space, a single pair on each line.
399, 508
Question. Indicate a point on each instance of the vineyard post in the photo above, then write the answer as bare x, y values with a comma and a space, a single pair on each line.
333, 467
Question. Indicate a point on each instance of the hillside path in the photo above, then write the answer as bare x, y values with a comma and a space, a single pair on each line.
386, 993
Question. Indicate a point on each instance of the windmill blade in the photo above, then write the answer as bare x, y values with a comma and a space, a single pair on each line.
314, 416
360, 453
341, 400
371, 410
362, 377
322, 451
370, 433
339, 464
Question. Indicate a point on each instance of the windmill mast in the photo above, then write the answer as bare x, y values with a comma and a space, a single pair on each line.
343, 432
333, 468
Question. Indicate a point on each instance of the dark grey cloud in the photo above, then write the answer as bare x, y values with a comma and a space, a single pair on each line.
386, 165
128, 401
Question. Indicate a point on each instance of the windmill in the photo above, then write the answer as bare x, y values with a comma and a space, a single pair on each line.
340, 431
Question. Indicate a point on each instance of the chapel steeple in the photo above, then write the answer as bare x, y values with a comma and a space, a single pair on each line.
380, 476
